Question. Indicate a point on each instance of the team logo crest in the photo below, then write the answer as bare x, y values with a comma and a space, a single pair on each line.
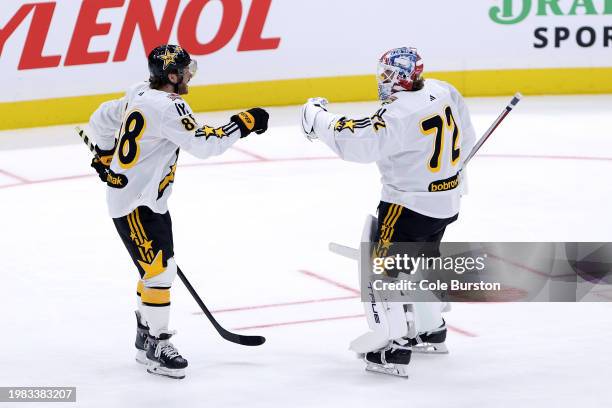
169, 57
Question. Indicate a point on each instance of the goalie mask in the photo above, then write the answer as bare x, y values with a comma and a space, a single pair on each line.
398, 69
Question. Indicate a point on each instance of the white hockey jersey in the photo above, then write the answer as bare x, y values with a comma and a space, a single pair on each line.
418, 139
150, 127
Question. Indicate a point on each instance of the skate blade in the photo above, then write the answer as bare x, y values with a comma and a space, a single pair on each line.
155, 368
389, 369
141, 357
430, 348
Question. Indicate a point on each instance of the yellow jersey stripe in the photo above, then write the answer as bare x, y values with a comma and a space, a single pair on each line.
134, 231
149, 253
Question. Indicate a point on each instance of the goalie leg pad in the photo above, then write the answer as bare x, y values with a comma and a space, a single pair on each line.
386, 320
427, 316
389, 321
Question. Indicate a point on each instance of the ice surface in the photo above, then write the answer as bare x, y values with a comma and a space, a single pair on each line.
251, 231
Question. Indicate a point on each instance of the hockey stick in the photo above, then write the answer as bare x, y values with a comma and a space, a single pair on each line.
343, 250
87, 141
515, 100
227, 335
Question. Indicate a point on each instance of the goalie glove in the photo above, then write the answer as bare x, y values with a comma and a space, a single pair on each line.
309, 113
252, 120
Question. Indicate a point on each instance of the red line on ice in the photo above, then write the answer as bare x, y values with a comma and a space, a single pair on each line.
323, 319
330, 281
249, 153
603, 290
16, 177
260, 159
343, 286
604, 296
326, 319
529, 269
229, 162
282, 304
461, 331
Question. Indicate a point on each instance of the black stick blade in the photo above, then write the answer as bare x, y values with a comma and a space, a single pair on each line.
245, 340
227, 335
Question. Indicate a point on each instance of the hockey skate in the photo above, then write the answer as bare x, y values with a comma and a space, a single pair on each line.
142, 334
163, 358
432, 342
392, 360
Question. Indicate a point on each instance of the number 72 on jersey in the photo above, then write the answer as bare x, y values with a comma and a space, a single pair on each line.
437, 125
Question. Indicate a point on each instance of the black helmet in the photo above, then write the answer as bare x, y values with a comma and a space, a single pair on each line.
169, 59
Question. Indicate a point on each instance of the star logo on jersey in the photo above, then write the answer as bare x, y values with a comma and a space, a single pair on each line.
168, 57
352, 124
154, 268
208, 131
147, 245
345, 124
385, 243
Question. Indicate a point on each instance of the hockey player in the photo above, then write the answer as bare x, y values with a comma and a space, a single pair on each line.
419, 137
138, 140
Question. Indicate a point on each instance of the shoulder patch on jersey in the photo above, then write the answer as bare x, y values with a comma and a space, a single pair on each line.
377, 119
174, 97
432, 98
351, 124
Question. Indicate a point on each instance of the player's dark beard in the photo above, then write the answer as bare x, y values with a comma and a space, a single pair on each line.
183, 88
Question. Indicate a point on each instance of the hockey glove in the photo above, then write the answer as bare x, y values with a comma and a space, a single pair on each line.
103, 164
252, 120
309, 113
102, 167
